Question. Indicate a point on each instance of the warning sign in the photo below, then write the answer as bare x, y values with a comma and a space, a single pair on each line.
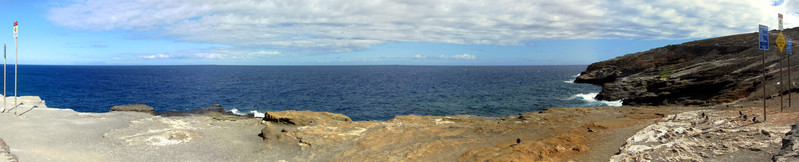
780, 42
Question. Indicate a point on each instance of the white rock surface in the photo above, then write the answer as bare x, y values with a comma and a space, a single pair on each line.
690, 137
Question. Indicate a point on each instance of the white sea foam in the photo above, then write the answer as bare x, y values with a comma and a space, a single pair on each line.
590, 98
236, 111
574, 77
255, 113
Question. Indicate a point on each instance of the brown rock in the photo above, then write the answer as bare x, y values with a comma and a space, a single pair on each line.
4, 146
135, 107
304, 117
5, 152
269, 133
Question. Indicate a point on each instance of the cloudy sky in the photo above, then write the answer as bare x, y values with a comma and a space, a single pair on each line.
369, 32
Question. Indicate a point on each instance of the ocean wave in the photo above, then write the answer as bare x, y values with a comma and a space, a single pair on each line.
590, 99
574, 77
255, 113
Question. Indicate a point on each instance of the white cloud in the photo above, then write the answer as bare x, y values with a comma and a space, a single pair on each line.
453, 57
156, 56
464, 57
213, 53
325, 26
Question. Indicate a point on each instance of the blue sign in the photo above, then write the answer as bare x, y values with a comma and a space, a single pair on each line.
763, 37
788, 44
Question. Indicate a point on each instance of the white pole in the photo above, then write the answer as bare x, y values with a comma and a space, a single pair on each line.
15, 75
4, 77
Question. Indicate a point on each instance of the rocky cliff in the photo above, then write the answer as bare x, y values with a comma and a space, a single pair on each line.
702, 72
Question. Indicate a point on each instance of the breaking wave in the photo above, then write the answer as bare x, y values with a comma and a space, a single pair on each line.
590, 99
255, 113
574, 77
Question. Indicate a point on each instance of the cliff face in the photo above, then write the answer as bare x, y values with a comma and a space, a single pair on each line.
703, 72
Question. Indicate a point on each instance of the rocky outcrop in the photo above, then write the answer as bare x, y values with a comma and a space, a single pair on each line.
135, 107
689, 136
703, 72
302, 118
790, 146
527, 136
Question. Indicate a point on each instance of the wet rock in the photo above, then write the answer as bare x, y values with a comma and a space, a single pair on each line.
135, 107
216, 108
215, 111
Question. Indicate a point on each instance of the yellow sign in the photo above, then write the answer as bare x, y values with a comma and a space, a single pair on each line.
781, 42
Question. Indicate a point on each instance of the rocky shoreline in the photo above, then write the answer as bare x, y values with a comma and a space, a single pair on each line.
557, 134
552, 134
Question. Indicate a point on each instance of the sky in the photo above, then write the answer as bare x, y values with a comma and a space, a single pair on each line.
368, 32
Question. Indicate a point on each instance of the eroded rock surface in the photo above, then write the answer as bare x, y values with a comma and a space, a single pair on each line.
160, 131
702, 136
448, 138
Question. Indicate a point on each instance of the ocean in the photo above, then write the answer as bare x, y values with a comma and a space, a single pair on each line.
360, 92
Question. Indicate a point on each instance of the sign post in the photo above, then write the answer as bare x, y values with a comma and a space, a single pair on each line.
763, 37
781, 45
790, 83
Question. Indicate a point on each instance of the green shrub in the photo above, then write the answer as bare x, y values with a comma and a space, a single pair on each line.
665, 74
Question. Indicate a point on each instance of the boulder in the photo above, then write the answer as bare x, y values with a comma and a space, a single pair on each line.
302, 118
790, 146
269, 133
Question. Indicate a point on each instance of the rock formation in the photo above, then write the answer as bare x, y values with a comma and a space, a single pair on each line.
702, 72
790, 146
135, 107
302, 118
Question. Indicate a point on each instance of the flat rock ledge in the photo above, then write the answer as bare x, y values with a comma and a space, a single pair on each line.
134, 107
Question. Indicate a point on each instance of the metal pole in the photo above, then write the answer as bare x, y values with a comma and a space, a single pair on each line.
764, 85
781, 82
4, 77
790, 83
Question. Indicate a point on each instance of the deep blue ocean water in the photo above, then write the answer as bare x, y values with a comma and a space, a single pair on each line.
360, 92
